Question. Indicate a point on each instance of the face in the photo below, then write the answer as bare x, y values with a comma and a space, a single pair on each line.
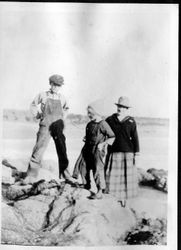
90, 114
121, 110
54, 88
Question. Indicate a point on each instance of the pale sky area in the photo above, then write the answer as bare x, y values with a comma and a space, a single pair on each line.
101, 50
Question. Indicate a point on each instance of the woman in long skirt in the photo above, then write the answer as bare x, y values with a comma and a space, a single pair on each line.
121, 172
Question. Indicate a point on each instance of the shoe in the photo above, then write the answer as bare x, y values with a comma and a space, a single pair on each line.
71, 180
97, 196
105, 191
75, 177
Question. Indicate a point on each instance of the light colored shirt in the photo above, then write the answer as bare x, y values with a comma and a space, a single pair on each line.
38, 104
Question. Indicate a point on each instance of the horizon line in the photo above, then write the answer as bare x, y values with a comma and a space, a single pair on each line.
73, 113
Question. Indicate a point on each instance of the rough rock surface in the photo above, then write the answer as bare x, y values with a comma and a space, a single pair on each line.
66, 219
53, 213
148, 232
12, 171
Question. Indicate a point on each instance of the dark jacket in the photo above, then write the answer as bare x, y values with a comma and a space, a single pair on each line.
126, 136
97, 132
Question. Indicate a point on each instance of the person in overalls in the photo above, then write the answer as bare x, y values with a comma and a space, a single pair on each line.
50, 107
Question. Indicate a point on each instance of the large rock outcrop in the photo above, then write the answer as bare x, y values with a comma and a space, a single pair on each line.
63, 217
51, 212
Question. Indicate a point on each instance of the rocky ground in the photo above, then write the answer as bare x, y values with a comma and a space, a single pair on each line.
51, 212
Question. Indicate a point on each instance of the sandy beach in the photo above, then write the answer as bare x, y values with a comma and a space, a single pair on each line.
19, 139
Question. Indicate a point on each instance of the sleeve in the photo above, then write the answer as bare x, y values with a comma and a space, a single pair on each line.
135, 138
34, 106
106, 129
109, 121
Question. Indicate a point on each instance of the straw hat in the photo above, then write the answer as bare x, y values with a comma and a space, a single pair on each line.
123, 101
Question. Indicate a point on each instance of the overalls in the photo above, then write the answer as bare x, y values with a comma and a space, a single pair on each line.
52, 113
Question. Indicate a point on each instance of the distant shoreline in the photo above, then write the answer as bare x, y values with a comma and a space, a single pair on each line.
26, 116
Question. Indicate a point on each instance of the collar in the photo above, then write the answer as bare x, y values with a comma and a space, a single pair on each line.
115, 117
53, 93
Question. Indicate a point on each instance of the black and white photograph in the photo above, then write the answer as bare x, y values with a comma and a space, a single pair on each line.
89, 123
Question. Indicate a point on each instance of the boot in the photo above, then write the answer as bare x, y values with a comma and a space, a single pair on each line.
68, 177
97, 196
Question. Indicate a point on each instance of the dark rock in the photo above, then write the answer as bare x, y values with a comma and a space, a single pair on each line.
145, 178
160, 179
148, 232
153, 178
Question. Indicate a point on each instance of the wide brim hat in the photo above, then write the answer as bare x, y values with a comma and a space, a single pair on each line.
56, 79
123, 101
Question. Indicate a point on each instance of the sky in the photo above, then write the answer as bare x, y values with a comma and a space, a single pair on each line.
103, 51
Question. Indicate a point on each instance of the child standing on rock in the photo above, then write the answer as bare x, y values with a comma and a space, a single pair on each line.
97, 133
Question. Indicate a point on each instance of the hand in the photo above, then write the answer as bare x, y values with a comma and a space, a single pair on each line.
137, 154
101, 146
39, 115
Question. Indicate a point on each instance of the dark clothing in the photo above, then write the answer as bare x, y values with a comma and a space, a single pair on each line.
126, 136
97, 132
91, 158
120, 169
94, 161
56, 130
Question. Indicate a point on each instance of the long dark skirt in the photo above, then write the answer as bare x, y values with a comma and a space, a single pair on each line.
121, 176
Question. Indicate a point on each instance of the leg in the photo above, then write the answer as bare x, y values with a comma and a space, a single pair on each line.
43, 137
62, 153
87, 179
98, 174
107, 169
83, 171
87, 168
56, 130
99, 170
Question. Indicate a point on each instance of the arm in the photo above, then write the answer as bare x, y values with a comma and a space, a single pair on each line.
34, 106
109, 134
135, 139
106, 130
65, 107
